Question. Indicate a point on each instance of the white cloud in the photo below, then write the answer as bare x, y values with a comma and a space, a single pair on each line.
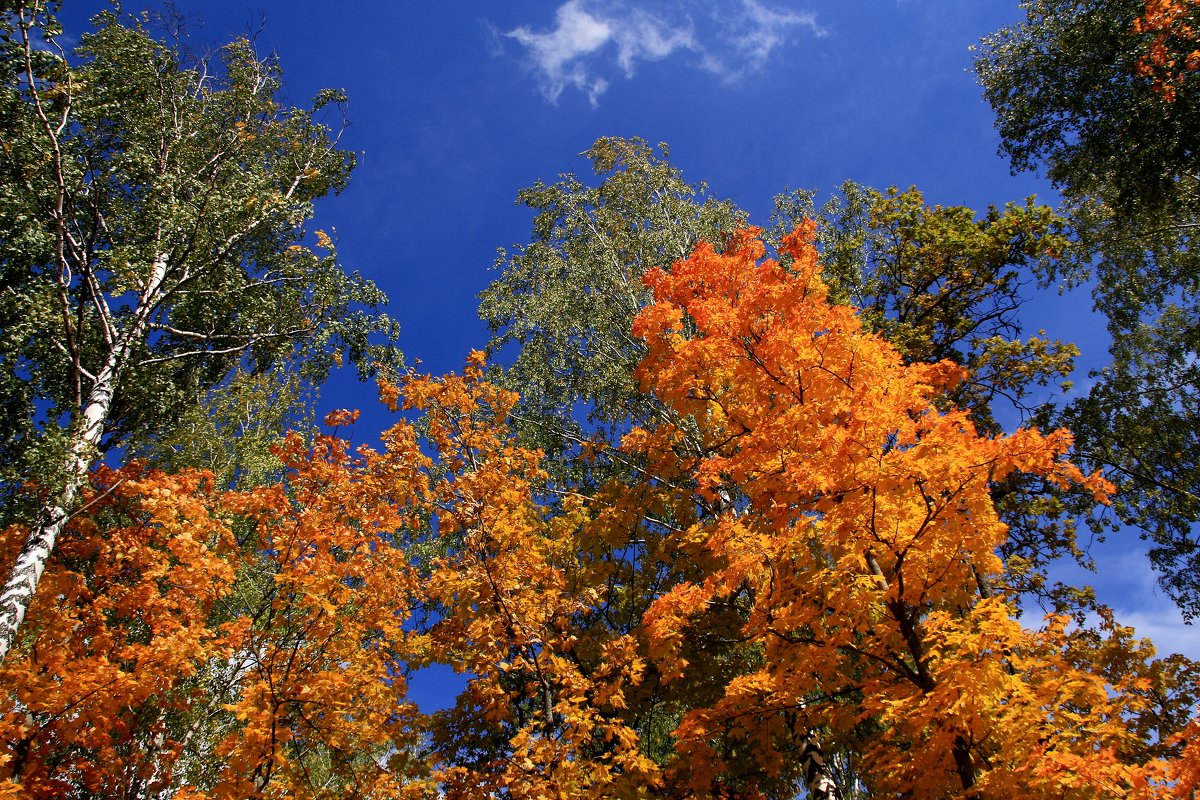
645, 36
1165, 627
561, 56
558, 55
1125, 582
590, 37
753, 32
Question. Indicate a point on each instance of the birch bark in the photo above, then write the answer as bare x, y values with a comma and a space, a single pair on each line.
157, 250
82, 450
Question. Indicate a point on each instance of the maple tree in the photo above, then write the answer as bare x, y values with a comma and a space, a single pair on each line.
322, 650
195, 642
117, 637
863, 526
199, 642
939, 282
942, 283
542, 713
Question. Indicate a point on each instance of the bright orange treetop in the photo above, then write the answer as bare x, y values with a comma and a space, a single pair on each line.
861, 537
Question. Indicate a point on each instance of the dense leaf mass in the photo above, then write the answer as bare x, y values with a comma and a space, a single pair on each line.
1105, 97
206, 642
747, 515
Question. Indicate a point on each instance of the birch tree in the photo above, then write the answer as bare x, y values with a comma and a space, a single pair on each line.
154, 240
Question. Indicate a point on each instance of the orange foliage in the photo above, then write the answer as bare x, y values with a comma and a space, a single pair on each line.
320, 660
196, 643
864, 529
1178, 779
1173, 47
509, 596
116, 635
812, 510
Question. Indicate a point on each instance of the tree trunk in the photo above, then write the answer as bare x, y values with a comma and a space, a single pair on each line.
83, 449
816, 770
81, 453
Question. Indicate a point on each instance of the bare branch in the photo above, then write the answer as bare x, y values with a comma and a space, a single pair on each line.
241, 348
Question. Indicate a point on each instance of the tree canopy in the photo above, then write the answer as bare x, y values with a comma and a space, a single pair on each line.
1103, 96
721, 511
836, 604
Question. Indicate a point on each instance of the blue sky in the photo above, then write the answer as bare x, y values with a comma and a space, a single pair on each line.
456, 106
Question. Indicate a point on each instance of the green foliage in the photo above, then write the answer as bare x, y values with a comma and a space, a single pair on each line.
131, 156
1068, 97
566, 300
234, 429
1071, 98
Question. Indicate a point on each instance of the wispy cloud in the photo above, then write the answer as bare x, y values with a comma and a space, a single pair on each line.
1165, 627
591, 39
761, 29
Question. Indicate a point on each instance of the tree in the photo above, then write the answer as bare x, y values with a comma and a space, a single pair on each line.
865, 524
1174, 50
194, 641
99, 692
153, 242
234, 428
942, 282
544, 710
567, 298
566, 301
1079, 90
203, 642
1069, 96
939, 282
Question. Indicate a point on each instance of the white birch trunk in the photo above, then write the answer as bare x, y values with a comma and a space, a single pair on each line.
817, 780
82, 451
